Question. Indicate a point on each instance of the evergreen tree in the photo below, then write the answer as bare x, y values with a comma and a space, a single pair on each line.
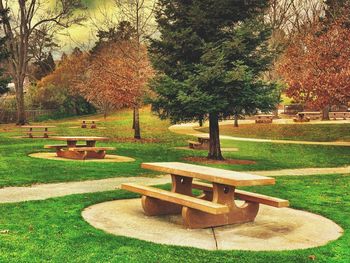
4, 80
210, 58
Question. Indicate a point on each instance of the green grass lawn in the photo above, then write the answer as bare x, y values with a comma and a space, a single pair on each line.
307, 132
54, 231
16, 168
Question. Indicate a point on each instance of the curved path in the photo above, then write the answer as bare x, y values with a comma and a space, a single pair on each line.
189, 129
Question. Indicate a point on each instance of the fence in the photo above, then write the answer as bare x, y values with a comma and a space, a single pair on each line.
32, 115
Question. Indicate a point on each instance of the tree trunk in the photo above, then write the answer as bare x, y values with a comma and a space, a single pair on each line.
325, 113
21, 114
236, 120
214, 145
200, 122
137, 132
133, 119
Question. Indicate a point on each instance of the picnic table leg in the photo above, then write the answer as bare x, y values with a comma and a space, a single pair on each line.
83, 125
154, 207
92, 154
222, 194
93, 125
30, 134
46, 135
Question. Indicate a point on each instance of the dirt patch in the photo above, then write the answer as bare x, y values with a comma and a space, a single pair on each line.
227, 161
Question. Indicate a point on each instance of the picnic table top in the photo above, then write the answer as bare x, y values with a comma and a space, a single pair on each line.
264, 115
37, 126
214, 175
309, 112
79, 138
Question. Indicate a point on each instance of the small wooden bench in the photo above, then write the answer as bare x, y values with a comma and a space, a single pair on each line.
216, 206
339, 115
264, 118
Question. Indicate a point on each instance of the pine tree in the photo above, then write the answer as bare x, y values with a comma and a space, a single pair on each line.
4, 80
210, 57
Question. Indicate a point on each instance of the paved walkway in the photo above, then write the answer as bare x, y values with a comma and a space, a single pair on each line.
45, 191
189, 129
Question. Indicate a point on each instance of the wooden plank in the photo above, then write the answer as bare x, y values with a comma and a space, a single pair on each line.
29, 132
79, 138
60, 146
90, 148
248, 196
215, 175
263, 199
193, 142
184, 200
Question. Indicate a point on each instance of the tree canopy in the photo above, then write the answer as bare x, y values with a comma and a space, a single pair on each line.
210, 58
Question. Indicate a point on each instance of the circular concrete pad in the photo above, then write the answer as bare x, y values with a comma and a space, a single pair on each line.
108, 158
273, 229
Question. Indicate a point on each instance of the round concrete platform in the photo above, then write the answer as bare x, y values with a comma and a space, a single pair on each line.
273, 229
108, 158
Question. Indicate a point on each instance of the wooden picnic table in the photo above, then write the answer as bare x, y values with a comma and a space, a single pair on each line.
201, 143
37, 129
264, 118
85, 123
216, 206
80, 152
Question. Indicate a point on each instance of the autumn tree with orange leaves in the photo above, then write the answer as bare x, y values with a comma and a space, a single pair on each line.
317, 66
111, 81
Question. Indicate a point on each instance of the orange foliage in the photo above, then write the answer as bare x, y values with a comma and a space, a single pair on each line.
68, 73
316, 67
114, 77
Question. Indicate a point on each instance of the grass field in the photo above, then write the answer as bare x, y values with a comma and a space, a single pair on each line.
300, 132
158, 145
53, 230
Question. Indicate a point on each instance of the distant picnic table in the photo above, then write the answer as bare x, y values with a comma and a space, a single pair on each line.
201, 143
80, 152
91, 123
216, 206
306, 116
32, 130
264, 118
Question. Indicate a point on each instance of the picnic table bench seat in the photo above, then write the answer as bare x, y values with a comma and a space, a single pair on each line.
184, 200
84, 148
194, 144
201, 143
